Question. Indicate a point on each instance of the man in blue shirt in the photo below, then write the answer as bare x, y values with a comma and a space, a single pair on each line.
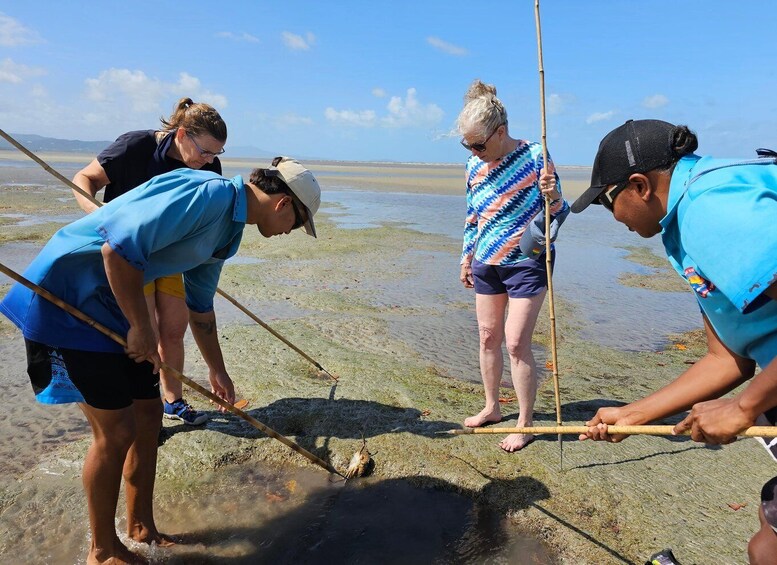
185, 221
647, 175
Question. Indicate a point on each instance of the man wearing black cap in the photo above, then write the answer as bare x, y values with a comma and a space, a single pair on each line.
705, 209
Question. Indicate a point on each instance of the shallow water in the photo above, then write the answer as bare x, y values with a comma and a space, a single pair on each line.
590, 259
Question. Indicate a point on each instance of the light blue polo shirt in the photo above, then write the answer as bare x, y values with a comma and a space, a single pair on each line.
184, 221
720, 234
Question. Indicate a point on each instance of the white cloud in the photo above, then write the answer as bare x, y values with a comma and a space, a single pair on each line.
378, 92
446, 47
16, 73
13, 33
292, 119
239, 37
410, 112
599, 117
655, 101
298, 42
402, 113
122, 88
361, 118
556, 104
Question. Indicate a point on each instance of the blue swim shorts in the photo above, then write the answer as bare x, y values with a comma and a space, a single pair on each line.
522, 280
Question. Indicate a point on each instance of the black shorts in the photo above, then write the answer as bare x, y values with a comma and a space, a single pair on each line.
109, 381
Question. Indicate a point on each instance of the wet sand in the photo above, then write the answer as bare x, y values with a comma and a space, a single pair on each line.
344, 300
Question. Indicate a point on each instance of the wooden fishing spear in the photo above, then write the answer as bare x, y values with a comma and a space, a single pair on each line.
40, 291
753, 431
71, 185
548, 261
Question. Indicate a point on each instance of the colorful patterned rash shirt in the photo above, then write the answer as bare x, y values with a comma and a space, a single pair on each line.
503, 196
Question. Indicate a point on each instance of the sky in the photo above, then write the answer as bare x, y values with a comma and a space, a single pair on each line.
384, 81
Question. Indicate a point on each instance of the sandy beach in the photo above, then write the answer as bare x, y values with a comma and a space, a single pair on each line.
381, 308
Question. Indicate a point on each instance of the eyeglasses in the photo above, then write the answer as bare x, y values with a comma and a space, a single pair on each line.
204, 152
479, 147
607, 198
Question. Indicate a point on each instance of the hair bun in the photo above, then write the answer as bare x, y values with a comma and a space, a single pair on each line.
684, 141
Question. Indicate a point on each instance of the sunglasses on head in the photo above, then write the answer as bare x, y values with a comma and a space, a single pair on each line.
607, 198
479, 147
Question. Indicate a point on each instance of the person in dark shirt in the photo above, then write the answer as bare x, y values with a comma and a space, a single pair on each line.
191, 137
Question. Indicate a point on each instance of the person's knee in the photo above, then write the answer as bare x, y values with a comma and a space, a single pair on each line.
172, 331
489, 338
116, 440
520, 349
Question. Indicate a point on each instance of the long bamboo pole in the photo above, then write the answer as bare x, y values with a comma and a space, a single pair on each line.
256, 319
754, 431
71, 185
40, 291
548, 252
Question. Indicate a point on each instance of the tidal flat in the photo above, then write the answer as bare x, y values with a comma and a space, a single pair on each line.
381, 308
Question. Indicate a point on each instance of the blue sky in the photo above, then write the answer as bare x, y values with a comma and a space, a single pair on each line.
384, 80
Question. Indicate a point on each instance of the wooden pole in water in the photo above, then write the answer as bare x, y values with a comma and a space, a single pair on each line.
71, 185
40, 291
548, 262
754, 431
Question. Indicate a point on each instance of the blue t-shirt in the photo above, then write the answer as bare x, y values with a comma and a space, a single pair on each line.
185, 221
720, 235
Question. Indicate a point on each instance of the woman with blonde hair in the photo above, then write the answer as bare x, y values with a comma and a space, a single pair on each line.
192, 137
506, 187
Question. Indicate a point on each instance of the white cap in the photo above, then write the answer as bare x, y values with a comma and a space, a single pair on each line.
304, 186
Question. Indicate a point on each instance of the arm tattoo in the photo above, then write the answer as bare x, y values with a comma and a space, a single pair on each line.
208, 327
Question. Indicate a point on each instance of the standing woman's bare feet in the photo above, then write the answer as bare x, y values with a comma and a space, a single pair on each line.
158, 538
516, 442
483, 417
119, 555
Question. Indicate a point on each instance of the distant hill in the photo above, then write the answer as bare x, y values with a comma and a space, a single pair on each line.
37, 143
40, 143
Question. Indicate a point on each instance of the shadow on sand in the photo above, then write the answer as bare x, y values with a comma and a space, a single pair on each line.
308, 419
405, 520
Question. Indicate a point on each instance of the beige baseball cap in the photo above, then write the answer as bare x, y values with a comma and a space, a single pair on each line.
304, 186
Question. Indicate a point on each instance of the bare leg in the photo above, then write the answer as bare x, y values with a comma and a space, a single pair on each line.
762, 549
521, 319
490, 310
113, 431
140, 473
172, 318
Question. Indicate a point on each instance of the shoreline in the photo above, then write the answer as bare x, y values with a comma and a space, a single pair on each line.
437, 178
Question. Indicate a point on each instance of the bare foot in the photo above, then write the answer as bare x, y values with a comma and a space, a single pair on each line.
120, 555
143, 535
163, 540
485, 416
516, 442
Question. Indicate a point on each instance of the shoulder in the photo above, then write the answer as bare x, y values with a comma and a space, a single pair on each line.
473, 162
130, 143
530, 148
212, 189
138, 138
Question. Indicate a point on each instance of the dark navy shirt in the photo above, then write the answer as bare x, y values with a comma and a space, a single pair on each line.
136, 157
